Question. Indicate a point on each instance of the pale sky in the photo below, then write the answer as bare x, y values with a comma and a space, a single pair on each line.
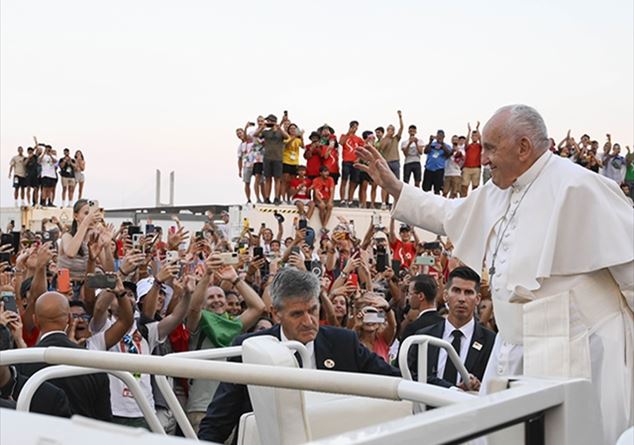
163, 84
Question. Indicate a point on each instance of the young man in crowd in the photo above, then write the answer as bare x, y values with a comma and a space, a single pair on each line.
17, 167
49, 176
412, 149
246, 160
324, 192
290, 159
300, 191
32, 166
471, 168
329, 152
389, 149
453, 165
258, 159
437, 152
422, 292
67, 172
404, 246
273, 137
349, 174
364, 178
312, 154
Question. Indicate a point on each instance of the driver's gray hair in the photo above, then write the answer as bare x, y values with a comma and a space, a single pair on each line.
292, 283
526, 121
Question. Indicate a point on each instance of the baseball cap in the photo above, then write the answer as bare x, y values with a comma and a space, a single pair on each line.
271, 118
143, 288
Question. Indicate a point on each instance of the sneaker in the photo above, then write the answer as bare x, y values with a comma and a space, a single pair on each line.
277, 201
267, 201
343, 204
383, 206
259, 201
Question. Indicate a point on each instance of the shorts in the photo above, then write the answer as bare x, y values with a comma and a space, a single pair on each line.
434, 179
471, 175
257, 168
302, 200
48, 182
19, 182
32, 181
68, 182
348, 171
395, 166
247, 173
289, 169
452, 185
364, 177
272, 169
412, 168
79, 177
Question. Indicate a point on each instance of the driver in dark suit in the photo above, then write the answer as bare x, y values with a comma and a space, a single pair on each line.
295, 297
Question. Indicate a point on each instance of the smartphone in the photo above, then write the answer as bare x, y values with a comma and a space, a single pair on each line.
295, 250
354, 279
310, 236
101, 281
136, 240
381, 259
5, 239
376, 220
302, 224
396, 266
425, 260
63, 281
258, 252
149, 228
230, 258
9, 301
5, 257
432, 246
374, 317
171, 256
199, 235
134, 230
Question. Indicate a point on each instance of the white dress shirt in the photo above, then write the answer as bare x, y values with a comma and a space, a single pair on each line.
465, 341
310, 347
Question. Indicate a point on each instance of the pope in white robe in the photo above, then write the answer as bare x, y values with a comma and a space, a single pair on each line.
558, 242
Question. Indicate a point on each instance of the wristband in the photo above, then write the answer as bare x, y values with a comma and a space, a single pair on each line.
157, 282
235, 282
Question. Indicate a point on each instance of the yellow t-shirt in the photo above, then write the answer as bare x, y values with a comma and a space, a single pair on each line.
290, 155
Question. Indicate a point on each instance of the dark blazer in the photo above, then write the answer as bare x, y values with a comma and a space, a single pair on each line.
427, 319
475, 363
48, 399
88, 395
342, 346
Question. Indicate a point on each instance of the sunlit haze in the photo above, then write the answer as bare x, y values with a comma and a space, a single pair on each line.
155, 84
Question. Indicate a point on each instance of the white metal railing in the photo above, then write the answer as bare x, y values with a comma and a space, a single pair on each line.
59, 371
423, 341
207, 354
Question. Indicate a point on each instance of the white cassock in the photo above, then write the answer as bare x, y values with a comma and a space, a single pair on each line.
563, 280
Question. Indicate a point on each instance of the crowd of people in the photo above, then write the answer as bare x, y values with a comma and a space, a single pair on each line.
278, 165
35, 176
124, 289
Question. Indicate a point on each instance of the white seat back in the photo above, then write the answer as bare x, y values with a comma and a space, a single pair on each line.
279, 413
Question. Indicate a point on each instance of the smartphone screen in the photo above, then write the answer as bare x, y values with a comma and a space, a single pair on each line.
9, 301
63, 280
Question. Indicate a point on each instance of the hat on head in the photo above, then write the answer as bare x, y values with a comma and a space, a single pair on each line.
332, 130
143, 288
405, 228
271, 118
314, 135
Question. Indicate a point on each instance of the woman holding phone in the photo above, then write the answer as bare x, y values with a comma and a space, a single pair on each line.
80, 166
375, 324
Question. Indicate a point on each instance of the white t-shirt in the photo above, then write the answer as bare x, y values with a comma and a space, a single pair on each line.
453, 163
121, 399
247, 153
412, 154
48, 167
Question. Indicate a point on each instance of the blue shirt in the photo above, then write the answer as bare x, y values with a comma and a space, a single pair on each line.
436, 157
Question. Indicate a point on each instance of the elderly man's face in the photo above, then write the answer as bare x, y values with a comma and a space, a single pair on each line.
299, 319
501, 152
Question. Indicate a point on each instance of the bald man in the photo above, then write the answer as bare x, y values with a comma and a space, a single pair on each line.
557, 241
89, 395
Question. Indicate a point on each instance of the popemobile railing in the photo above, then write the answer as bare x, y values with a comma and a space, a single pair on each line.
454, 420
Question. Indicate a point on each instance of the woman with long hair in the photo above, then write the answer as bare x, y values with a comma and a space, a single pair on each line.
375, 324
73, 248
80, 166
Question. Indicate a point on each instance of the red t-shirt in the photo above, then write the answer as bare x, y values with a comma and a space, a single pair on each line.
313, 159
403, 252
330, 157
348, 150
324, 187
302, 186
472, 155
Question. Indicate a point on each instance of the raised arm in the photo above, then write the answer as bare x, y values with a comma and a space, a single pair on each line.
255, 305
185, 287
71, 244
399, 134
392, 234
122, 325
